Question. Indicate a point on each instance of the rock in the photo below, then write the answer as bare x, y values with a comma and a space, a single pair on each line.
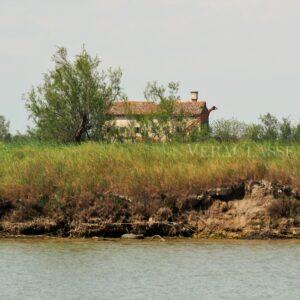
132, 236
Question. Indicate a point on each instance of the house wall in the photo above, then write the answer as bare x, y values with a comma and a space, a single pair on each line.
123, 121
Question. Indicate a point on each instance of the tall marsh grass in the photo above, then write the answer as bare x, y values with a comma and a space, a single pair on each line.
63, 172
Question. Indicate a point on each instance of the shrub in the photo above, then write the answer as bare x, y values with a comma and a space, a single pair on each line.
254, 132
228, 130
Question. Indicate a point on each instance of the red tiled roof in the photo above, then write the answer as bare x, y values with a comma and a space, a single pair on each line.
122, 108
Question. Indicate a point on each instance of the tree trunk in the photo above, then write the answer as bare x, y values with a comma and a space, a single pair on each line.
82, 130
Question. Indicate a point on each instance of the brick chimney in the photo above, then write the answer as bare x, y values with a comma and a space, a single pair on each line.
194, 96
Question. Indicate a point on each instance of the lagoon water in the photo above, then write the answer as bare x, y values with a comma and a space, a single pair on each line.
175, 269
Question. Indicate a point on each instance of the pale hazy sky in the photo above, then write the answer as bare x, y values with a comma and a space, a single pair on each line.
243, 56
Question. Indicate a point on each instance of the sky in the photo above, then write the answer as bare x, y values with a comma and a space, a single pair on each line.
241, 55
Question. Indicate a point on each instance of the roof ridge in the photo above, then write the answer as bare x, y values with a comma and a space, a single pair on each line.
147, 101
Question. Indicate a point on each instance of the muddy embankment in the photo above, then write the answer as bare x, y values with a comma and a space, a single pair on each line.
247, 210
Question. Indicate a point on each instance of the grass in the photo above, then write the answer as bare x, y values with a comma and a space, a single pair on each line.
62, 172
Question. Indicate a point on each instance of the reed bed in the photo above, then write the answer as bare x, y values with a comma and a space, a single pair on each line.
63, 172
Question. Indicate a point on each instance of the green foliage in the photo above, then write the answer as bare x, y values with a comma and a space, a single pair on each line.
159, 93
153, 128
4, 129
161, 125
286, 130
24, 138
254, 132
165, 97
270, 127
200, 134
228, 130
296, 133
72, 102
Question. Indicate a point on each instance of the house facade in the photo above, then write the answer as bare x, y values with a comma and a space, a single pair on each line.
128, 113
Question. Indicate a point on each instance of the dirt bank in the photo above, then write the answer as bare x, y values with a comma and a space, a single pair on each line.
247, 209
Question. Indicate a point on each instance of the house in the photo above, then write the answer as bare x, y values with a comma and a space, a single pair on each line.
194, 111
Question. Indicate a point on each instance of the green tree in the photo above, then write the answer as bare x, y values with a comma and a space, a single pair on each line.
4, 129
73, 101
162, 123
165, 97
270, 126
296, 133
286, 129
159, 93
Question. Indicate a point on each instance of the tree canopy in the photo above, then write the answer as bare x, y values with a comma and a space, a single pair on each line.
73, 101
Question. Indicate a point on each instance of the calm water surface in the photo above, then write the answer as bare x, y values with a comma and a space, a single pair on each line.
86, 269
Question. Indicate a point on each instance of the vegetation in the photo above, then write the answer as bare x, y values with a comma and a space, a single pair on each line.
59, 173
72, 106
72, 103
164, 128
268, 129
76, 168
4, 129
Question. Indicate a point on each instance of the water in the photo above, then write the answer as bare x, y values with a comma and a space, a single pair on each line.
87, 269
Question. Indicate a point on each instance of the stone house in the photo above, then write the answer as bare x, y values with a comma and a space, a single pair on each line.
127, 113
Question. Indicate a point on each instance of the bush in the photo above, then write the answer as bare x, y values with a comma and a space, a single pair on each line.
228, 130
254, 132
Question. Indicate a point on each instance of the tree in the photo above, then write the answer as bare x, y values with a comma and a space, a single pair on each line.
286, 129
165, 97
161, 123
270, 126
4, 129
158, 93
72, 102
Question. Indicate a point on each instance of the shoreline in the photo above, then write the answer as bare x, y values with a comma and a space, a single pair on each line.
249, 210
177, 239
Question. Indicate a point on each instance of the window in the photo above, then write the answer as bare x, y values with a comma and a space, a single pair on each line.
137, 129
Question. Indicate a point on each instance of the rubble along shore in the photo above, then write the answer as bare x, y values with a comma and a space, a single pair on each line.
247, 210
